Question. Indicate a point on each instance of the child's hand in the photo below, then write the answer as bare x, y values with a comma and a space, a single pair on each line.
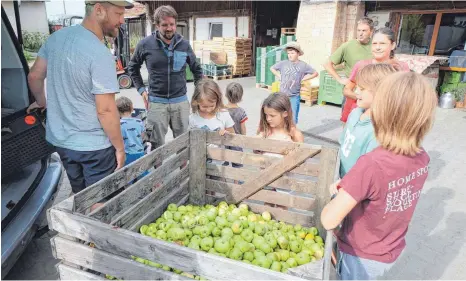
333, 188
222, 132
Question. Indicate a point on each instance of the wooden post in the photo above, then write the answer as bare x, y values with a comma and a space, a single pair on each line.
433, 42
197, 166
328, 161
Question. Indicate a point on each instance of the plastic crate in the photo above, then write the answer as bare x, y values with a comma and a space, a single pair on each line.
266, 57
452, 77
216, 69
329, 89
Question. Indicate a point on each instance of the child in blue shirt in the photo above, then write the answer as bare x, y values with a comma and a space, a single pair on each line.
132, 131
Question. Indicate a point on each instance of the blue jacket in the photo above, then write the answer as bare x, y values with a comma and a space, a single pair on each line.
166, 66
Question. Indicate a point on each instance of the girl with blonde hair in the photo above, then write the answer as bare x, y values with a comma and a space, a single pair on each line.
378, 196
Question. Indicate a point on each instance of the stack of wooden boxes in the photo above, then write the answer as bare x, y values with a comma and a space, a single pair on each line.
238, 52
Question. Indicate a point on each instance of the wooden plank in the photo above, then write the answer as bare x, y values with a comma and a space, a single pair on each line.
327, 173
277, 169
96, 192
282, 199
328, 254
197, 166
145, 205
256, 143
433, 41
156, 211
138, 190
283, 215
258, 160
70, 273
106, 263
285, 182
231, 192
126, 243
450, 68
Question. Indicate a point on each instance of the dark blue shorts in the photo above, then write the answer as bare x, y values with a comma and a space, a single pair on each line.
85, 168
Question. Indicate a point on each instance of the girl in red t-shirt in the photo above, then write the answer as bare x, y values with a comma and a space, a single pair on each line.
383, 51
377, 197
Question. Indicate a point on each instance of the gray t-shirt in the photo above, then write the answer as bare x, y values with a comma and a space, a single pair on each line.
291, 75
239, 116
79, 66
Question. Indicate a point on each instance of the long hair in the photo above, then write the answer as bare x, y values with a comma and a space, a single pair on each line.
281, 103
209, 90
403, 112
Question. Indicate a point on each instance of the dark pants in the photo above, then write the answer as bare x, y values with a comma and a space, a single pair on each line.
85, 168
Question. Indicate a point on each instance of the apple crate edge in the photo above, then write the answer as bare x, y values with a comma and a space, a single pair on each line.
114, 227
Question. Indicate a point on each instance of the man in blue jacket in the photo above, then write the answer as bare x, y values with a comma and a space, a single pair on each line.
166, 55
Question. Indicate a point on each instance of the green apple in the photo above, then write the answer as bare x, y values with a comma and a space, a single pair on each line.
272, 242
193, 245
259, 229
161, 234
221, 222
166, 267
258, 253
292, 262
211, 215
231, 218
252, 217
319, 240
236, 254
303, 258
177, 271
167, 215
297, 227
285, 266
243, 246
276, 266
284, 254
196, 238
273, 256
295, 246
249, 256
237, 227
231, 206
266, 216
283, 242
207, 243
217, 232
247, 235
264, 247
213, 251
182, 209
264, 262
143, 229
172, 207
314, 231
257, 241
308, 243
211, 225
205, 231
222, 245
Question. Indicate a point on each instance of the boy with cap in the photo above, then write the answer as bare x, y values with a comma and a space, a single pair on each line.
292, 73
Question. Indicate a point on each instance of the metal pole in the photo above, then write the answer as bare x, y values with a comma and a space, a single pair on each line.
64, 7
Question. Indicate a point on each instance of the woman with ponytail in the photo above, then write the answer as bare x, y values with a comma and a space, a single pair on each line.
383, 51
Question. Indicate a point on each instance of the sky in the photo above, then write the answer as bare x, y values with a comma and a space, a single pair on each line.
73, 7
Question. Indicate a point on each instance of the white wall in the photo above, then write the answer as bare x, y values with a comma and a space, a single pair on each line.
33, 16
243, 27
202, 27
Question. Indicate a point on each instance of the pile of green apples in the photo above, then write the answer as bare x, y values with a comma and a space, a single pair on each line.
235, 232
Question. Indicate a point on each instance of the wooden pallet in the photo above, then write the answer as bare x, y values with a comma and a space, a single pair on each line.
309, 102
222, 77
288, 31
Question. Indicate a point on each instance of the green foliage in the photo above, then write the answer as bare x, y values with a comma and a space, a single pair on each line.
33, 40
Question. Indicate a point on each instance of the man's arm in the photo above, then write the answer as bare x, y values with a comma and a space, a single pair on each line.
36, 81
348, 91
194, 66
109, 118
336, 58
134, 68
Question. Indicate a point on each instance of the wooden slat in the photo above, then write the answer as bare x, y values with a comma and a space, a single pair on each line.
232, 190
103, 262
452, 68
328, 254
197, 166
283, 215
258, 160
70, 273
433, 41
256, 143
126, 243
96, 192
282, 199
327, 176
138, 190
277, 169
175, 195
145, 205
243, 174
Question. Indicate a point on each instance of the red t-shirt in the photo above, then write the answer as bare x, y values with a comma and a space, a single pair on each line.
350, 103
387, 187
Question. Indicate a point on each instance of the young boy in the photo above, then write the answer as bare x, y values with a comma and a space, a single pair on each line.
377, 197
132, 130
292, 73
234, 94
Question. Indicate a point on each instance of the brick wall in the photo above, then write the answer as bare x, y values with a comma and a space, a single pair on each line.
323, 26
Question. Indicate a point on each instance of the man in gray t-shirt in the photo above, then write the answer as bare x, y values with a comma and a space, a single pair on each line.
292, 73
82, 117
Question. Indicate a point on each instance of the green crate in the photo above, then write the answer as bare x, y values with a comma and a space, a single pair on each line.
216, 69
266, 57
329, 89
452, 77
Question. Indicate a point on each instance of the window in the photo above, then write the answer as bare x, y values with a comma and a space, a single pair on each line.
215, 30
438, 33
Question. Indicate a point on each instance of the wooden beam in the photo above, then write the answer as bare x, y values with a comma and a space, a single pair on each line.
433, 42
70, 273
450, 68
197, 166
100, 261
283, 215
125, 243
274, 171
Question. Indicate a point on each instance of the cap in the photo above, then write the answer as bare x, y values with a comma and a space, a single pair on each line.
128, 4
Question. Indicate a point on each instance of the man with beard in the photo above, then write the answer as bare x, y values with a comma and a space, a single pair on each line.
82, 118
166, 55
352, 51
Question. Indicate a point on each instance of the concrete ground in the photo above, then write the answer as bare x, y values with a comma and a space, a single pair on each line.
435, 241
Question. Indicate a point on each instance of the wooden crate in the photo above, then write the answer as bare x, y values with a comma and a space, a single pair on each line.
113, 227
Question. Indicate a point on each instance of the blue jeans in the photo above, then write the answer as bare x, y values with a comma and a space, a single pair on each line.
356, 268
295, 104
